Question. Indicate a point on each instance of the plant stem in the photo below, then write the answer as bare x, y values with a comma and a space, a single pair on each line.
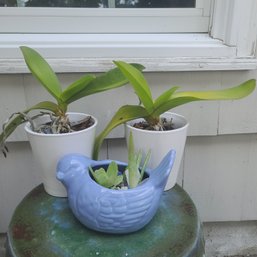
154, 122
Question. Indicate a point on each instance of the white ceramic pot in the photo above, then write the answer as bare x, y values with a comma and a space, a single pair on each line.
49, 148
161, 142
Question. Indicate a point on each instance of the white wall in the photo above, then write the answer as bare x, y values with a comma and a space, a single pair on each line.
219, 167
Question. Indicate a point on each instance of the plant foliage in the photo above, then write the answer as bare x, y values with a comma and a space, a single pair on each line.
84, 86
133, 175
109, 178
151, 110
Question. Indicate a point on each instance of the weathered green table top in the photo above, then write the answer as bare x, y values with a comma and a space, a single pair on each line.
43, 226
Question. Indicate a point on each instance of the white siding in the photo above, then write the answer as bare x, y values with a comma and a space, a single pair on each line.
220, 176
18, 175
219, 168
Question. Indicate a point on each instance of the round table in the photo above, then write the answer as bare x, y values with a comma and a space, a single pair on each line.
43, 225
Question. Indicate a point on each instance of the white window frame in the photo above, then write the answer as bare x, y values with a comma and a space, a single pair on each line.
229, 45
105, 20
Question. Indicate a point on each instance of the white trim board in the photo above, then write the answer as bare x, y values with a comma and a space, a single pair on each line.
105, 20
231, 46
16, 66
95, 52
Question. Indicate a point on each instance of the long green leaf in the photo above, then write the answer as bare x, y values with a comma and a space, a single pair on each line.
46, 105
76, 88
124, 114
181, 98
112, 79
42, 71
236, 92
18, 120
165, 96
170, 104
139, 84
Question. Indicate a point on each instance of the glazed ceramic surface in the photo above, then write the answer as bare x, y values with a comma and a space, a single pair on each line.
160, 142
109, 210
49, 148
44, 226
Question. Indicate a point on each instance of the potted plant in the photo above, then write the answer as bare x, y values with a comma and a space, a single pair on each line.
52, 131
158, 129
112, 196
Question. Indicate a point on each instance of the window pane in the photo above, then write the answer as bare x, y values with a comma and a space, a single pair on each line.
155, 3
101, 3
54, 3
104, 16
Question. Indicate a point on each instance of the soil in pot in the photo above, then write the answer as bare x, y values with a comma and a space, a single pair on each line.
60, 126
164, 125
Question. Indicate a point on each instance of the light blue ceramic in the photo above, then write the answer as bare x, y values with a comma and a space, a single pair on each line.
109, 210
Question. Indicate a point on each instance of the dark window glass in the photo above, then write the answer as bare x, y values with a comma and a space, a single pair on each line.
67, 3
55, 3
155, 3
8, 3
101, 3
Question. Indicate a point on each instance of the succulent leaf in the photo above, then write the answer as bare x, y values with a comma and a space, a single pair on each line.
109, 178
133, 173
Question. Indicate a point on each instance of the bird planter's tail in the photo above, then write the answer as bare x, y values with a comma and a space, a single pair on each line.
160, 174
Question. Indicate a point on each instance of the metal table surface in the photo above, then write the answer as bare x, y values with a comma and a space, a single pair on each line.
43, 225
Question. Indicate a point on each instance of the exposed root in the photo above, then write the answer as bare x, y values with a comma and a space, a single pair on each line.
162, 125
56, 125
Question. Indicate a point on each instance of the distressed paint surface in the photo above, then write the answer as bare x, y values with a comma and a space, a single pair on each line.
43, 225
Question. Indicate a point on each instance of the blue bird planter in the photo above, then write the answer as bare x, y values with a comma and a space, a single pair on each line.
108, 210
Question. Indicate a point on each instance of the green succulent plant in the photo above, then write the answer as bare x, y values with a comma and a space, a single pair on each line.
151, 110
84, 86
132, 176
109, 178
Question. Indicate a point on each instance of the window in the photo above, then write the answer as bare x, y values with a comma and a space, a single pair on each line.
122, 16
102, 3
229, 42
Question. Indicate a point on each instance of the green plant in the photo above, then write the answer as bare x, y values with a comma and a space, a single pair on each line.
151, 110
132, 176
110, 178
84, 86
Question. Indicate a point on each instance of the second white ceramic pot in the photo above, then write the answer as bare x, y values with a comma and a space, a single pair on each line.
161, 142
49, 148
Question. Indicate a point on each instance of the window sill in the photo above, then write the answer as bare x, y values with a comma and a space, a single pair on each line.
95, 52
